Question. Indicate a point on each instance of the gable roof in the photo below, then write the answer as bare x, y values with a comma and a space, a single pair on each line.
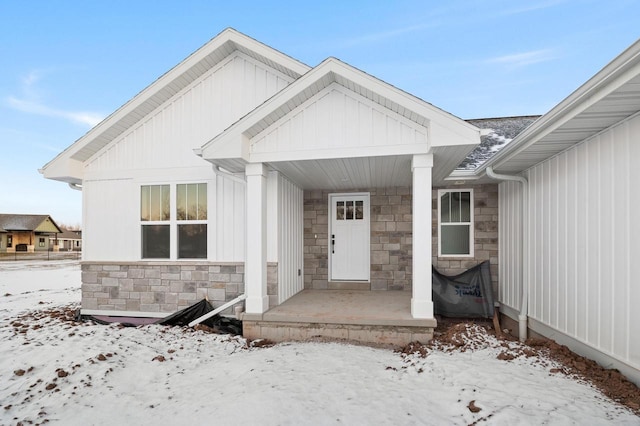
610, 96
26, 222
231, 149
67, 166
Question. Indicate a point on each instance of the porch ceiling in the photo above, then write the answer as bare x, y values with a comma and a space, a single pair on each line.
367, 172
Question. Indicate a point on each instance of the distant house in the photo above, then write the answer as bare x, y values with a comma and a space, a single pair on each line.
242, 173
28, 233
70, 240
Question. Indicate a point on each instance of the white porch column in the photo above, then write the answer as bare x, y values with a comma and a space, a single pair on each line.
255, 266
421, 300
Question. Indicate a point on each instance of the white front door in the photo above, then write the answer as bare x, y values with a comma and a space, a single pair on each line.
349, 237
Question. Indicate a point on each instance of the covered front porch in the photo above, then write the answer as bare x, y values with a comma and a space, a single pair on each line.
355, 315
339, 132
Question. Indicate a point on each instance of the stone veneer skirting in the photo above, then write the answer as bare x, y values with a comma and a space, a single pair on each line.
164, 287
391, 237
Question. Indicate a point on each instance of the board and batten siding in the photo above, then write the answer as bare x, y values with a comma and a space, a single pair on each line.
115, 235
337, 118
290, 254
285, 233
192, 117
230, 217
109, 234
584, 243
159, 150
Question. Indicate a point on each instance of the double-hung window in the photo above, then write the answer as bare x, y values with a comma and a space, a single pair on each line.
455, 223
191, 214
155, 216
174, 221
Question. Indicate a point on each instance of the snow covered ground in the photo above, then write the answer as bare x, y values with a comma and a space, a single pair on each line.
55, 370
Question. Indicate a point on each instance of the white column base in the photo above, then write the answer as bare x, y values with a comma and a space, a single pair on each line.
421, 309
256, 305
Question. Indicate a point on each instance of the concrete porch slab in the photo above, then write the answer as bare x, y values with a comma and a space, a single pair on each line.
382, 317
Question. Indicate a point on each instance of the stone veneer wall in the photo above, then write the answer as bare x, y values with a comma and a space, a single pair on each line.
391, 228
164, 287
485, 200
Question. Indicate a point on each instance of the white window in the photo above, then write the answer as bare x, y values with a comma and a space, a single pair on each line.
455, 223
191, 212
186, 221
155, 217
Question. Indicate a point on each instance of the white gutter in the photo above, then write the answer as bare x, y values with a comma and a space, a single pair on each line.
524, 244
217, 310
75, 186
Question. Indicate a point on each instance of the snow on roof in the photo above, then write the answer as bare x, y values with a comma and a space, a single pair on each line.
502, 131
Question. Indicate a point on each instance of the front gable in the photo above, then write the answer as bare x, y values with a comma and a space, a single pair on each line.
337, 123
337, 111
48, 226
167, 137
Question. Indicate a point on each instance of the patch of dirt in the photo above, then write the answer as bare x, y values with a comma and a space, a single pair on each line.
610, 381
452, 334
65, 314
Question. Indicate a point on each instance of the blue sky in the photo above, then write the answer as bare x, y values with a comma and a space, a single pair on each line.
67, 64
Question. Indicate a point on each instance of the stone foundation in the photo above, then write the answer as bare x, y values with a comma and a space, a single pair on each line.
164, 287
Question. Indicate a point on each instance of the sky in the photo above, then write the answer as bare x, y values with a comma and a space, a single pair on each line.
65, 65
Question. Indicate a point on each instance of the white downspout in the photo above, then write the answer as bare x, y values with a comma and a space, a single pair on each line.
75, 186
524, 244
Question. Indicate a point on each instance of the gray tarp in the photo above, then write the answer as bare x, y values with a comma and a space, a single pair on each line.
467, 295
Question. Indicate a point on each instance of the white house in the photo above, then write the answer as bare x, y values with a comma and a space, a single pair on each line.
319, 199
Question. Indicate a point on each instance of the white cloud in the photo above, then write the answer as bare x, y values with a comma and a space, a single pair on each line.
384, 35
31, 103
531, 7
522, 59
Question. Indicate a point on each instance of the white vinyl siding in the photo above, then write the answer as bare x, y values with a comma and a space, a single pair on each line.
205, 108
584, 242
334, 119
290, 247
115, 234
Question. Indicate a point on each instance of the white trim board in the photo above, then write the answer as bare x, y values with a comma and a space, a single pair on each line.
125, 313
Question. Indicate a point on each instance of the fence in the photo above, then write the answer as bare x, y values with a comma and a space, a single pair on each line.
41, 255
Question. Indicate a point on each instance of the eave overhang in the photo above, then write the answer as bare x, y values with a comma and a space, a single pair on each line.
612, 95
64, 166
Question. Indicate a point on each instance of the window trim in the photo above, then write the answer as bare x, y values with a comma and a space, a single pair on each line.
471, 223
173, 221
180, 222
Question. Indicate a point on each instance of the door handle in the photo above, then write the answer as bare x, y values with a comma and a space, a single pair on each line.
333, 243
